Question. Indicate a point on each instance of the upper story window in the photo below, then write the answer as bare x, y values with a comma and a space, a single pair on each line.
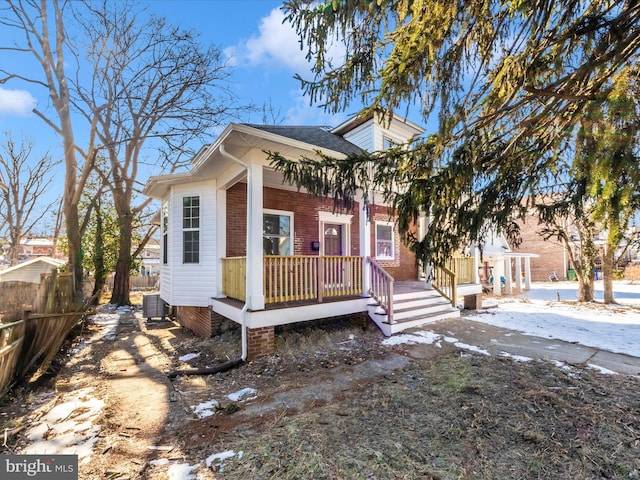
277, 232
191, 229
384, 240
165, 233
388, 142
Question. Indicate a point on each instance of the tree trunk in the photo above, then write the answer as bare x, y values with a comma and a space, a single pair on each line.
100, 272
121, 282
585, 288
607, 274
75, 249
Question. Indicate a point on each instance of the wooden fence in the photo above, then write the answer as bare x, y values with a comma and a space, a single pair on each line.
137, 283
32, 332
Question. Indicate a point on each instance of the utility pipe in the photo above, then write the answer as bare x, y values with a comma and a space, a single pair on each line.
245, 307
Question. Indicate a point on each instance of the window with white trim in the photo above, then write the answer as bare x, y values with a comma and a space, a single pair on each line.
277, 232
384, 240
191, 229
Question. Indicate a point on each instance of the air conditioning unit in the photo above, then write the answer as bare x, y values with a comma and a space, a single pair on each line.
154, 306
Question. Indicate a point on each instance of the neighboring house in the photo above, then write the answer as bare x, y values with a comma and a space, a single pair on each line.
503, 270
149, 258
31, 270
238, 242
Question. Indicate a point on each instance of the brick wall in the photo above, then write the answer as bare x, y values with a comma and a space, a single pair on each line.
260, 342
551, 253
198, 319
305, 210
403, 266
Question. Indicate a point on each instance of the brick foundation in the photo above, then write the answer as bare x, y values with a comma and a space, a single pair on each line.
199, 320
473, 302
260, 342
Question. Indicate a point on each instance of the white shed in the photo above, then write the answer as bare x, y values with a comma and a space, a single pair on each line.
30, 270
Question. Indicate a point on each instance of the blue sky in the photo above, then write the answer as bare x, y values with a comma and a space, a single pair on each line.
263, 51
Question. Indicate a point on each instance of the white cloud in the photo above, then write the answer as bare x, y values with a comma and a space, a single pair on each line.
276, 45
301, 113
16, 102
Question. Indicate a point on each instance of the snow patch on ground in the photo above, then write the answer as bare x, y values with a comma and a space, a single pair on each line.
68, 427
517, 358
188, 356
244, 394
205, 409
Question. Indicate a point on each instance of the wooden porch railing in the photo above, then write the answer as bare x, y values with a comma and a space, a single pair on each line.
234, 277
381, 288
455, 271
464, 268
298, 277
444, 282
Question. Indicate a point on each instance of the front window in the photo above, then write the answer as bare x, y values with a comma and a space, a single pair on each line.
277, 230
191, 229
384, 240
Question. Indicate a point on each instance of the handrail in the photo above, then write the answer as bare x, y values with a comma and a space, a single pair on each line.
382, 287
445, 283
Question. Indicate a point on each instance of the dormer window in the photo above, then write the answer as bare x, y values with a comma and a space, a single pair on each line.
388, 142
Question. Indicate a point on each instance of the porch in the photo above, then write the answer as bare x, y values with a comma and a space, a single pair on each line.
301, 288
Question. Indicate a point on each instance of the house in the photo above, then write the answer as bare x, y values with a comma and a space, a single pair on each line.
149, 259
237, 242
31, 270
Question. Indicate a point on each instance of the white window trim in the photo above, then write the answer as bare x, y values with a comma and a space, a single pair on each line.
340, 219
192, 229
393, 243
270, 211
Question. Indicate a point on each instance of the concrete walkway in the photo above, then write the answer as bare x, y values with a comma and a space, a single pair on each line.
497, 340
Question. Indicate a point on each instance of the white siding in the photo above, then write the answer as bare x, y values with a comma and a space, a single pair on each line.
191, 284
362, 136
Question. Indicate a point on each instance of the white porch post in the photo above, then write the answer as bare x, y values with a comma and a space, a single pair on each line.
508, 286
221, 236
365, 247
255, 257
476, 263
518, 275
498, 271
527, 273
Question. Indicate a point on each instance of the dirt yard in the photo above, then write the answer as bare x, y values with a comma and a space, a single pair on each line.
334, 403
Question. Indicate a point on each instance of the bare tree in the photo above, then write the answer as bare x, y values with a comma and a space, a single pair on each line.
153, 86
43, 37
142, 87
21, 206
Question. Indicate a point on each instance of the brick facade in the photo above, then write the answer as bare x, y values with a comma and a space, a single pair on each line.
305, 210
306, 223
260, 342
403, 266
551, 252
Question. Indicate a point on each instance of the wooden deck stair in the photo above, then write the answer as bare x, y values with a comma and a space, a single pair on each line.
412, 309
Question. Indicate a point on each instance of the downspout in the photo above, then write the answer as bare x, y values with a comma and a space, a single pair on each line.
245, 307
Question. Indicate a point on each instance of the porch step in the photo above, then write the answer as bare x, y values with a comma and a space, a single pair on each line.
413, 310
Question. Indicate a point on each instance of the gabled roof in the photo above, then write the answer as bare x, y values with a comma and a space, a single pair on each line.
53, 262
318, 136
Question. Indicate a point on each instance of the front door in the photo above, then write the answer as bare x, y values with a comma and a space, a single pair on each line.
333, 239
